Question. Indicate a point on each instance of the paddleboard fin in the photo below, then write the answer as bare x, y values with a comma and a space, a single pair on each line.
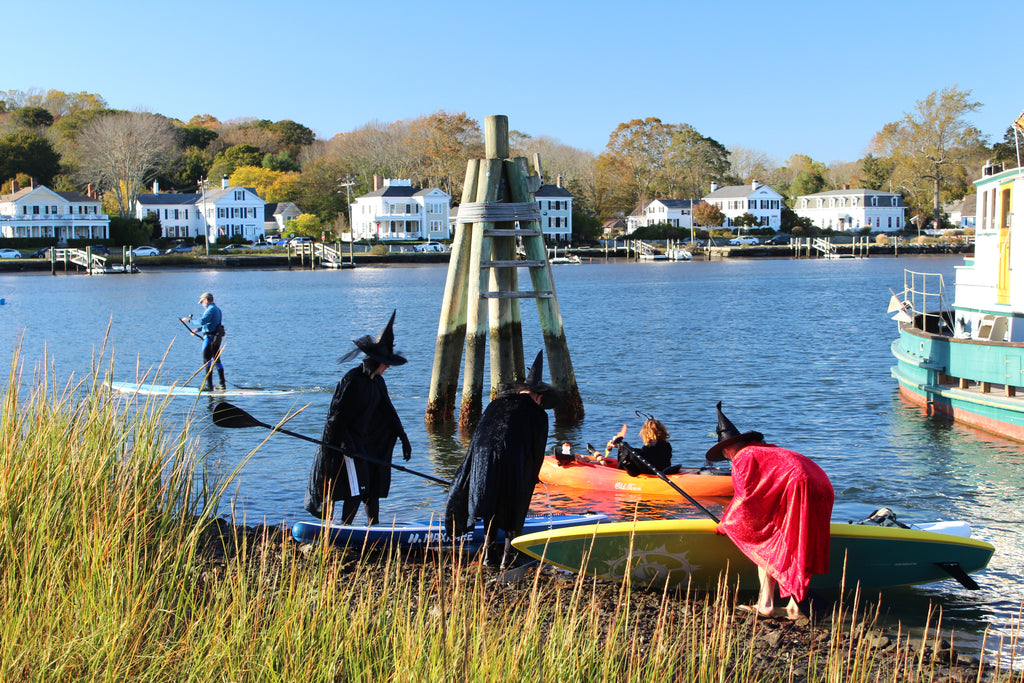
954, 570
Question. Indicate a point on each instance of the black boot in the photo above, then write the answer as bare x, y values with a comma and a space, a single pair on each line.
208, 382
220, 373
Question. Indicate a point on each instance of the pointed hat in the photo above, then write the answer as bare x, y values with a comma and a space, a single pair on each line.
382, 349
534, 381
728, 435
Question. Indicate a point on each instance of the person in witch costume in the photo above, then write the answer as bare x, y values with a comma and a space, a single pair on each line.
496, 480
361, 421
779, 515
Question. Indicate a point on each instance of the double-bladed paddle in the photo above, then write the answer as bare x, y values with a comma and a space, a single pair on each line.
633, 452
231, 416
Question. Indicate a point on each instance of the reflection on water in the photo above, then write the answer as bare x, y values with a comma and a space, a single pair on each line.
798, 350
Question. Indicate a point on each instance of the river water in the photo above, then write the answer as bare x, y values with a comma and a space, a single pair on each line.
796, 349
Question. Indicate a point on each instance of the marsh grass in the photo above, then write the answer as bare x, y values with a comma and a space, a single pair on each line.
115, 567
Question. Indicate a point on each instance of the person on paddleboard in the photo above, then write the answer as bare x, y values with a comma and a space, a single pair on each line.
779, 515
502, 466
656, 450
361, 421
211, 329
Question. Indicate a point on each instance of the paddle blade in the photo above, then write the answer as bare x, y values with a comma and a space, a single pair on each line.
231, 416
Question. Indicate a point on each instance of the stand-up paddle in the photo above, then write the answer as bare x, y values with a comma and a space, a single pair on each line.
231, 416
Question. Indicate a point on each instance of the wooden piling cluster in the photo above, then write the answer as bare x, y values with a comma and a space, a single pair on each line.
481, 294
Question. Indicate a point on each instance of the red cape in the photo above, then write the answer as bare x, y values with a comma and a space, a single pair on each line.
779, 515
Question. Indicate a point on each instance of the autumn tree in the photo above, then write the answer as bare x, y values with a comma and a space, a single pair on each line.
930, 146
693, 162
120, 153
270, 185
442, 144
706, 213
637, 150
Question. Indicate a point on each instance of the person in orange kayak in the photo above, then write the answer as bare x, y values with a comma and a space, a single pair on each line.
656, 450
779, 515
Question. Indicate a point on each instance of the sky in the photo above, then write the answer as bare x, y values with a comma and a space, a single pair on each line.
782, 78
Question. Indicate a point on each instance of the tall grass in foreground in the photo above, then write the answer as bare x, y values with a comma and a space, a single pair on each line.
108, 573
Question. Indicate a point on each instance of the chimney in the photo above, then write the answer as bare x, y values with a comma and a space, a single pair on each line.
224, 184
846, 186
377, 182
558, 180
14, 186
714, 186
156, 187
754, 185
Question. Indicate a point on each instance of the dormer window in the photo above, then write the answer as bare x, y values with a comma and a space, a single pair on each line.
874, 201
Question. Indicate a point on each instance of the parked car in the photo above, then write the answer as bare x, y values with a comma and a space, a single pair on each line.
10, 253
146, 251
236, 247
781, 238
429, 246
180, 249
100, 249
41, 253
740, 241
300, 240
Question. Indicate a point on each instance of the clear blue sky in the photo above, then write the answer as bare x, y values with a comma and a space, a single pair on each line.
815, 78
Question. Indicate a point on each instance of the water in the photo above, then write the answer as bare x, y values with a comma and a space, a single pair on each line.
796, 349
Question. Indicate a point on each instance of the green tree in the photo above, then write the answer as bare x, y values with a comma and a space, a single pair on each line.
198, 137
191, 166
282, 161
305, 224
875, 172
930, 146
30, 154
32, 117
806, 182
708, 214
1005, 152
225, 163
132, 231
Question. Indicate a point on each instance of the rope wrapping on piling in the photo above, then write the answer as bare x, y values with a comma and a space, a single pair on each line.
498, 212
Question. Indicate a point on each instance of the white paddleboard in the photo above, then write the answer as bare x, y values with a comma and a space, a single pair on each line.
149, 389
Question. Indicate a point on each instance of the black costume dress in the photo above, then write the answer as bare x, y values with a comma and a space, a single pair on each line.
363, 421
658, 453
496, 480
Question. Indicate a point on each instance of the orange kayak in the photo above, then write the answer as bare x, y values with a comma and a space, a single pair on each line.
607, 477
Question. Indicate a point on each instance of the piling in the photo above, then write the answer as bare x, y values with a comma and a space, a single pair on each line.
481, 306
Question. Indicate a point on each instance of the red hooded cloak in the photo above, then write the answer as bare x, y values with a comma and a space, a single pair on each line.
779, 515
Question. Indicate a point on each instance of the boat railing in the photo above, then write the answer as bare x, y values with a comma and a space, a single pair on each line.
925, 294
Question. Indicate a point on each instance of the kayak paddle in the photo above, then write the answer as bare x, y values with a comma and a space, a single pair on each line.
231, 416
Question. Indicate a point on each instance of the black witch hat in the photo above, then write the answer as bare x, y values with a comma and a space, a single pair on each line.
533, 378
728, 435
382, 349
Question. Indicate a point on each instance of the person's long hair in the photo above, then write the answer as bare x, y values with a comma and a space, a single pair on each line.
653, 431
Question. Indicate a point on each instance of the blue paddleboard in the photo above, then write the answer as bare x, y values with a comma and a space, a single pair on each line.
426, 534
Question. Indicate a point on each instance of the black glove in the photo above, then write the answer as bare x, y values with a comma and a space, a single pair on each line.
406, 448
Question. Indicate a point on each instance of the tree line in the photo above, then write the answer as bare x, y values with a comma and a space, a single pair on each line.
71, 141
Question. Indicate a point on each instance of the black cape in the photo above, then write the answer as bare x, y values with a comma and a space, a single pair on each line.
658, 453
496, 480
363, 421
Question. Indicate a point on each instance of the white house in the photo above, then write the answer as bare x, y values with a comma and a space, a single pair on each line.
221, 213
41, 212
963, 213
277, 214
555, 204
395, 210
848, 209
675, 212
761, 201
